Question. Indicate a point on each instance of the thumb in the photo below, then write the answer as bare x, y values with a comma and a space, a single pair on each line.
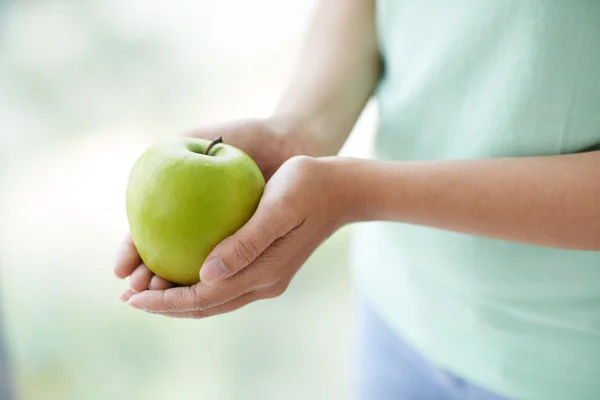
239, 250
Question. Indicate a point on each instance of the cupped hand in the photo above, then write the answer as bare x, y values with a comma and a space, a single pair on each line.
263, 140
302, 205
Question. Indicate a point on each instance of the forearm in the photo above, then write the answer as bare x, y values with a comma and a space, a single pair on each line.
337, 73
548, 201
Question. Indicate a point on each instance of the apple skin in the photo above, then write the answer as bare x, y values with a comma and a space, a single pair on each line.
181, 203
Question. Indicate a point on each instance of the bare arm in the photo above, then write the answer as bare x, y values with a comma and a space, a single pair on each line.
549, 201
337, 73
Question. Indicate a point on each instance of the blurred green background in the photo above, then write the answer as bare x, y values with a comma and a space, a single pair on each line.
85, 86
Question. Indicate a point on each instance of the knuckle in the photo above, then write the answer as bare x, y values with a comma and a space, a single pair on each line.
171, 302
301, 161
201, 301
245, 251
304, 167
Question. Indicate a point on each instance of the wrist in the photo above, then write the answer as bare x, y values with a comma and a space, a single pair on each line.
346, 179
304, 134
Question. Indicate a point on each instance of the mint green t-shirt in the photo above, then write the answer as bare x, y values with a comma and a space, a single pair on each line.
480, 79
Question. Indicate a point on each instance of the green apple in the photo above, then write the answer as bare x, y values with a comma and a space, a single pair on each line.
184, 196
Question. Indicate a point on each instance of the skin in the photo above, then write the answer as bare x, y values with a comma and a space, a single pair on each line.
311, 193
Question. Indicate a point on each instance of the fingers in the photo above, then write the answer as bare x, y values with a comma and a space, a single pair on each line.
242, 248
267, 274
158, 283
127, 294
127, 259
140, 278
184, 299
222, 309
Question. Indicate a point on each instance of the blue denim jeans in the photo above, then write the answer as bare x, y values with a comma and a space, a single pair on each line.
389, 369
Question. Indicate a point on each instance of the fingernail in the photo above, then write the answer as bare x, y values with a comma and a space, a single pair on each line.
134, 305
213, 271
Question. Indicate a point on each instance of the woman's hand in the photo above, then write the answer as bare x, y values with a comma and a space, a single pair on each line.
302, 205
269, 144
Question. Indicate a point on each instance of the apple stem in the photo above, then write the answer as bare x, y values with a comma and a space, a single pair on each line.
210, 146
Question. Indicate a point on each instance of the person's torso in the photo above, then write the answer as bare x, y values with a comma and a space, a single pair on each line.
479, 79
